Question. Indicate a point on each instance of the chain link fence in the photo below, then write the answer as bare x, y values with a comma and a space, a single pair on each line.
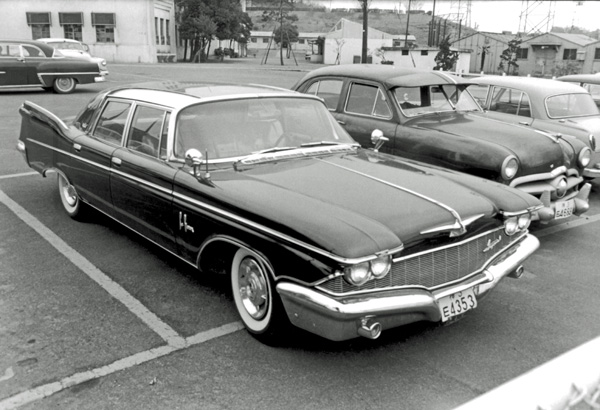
568, 382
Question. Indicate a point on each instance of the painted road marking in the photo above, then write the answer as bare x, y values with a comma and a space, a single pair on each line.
49, 389
23, 174
109, 285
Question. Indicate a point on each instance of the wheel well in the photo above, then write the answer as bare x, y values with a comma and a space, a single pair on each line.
216, 256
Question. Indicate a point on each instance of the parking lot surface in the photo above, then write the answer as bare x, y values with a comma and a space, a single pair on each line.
94, 317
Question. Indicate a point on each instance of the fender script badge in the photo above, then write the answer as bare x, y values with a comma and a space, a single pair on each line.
491, 244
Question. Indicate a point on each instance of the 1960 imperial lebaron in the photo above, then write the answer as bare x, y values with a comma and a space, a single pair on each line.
264, 185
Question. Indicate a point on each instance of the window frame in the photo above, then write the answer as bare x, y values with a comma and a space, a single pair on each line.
373, 107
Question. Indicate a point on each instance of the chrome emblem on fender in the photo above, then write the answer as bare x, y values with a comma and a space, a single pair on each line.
491, 244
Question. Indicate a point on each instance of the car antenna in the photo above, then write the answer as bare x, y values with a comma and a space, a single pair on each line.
207, 175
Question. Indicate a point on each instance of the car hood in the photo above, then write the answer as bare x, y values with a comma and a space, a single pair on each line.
352, 205
537, 151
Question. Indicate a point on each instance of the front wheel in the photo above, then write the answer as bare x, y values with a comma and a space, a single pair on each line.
69, 199
64, 85
255, 298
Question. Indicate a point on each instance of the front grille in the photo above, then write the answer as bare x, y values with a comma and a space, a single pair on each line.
433, 268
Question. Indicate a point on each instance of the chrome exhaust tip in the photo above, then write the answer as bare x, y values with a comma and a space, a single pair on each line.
369, 328
517, 273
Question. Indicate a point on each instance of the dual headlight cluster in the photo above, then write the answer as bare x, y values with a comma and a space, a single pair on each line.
516, 223
361, 273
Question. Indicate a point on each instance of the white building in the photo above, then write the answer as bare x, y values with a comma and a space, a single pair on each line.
128, 31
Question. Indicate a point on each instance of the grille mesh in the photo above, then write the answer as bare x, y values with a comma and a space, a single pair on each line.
434, 268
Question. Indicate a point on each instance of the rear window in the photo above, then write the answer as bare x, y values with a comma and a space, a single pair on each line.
571, 105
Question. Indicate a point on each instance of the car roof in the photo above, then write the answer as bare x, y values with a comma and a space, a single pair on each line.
180, 94
391, 76
48, 50
581, 78
531, 85
58, 40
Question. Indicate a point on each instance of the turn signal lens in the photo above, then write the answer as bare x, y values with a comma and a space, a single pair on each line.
584, 158
381, 266
593, 144
511, 225
510, 167
357, 274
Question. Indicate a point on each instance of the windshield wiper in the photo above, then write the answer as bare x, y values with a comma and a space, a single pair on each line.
318, 143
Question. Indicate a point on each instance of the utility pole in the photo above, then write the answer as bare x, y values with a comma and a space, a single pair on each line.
407, 22
364, 4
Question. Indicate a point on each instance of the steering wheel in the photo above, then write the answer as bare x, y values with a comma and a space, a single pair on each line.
292, 139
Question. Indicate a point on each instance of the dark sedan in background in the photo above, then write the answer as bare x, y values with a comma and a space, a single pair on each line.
33, 64
263, 185
428, 116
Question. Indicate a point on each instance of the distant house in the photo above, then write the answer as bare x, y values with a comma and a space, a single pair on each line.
554, 54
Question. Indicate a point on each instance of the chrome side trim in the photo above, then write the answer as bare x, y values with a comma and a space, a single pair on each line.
452, 211
539, 177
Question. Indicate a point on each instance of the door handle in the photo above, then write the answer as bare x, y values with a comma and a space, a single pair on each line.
341, 122
524, 123
77, 147
116, 161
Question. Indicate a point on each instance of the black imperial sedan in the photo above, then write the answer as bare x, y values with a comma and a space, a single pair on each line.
34, 64
429, 116
263, 185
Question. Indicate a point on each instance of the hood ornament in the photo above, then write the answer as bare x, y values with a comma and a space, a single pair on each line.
459, 227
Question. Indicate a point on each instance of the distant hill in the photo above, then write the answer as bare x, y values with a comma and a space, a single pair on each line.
316, 21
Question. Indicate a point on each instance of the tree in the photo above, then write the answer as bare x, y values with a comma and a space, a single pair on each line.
508, 58
445, 58
280, 15
290, 35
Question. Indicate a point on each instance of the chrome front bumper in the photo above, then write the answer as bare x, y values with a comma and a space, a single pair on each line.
342, 318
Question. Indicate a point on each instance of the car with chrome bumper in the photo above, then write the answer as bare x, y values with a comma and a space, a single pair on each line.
76, 49
429, 116
33, 64
555, 107
263, 185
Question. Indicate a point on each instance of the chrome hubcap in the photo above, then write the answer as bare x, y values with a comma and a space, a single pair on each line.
253, 288
69, 193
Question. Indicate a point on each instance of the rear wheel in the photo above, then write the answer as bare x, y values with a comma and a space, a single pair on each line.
255, 298
69, 199
64, 85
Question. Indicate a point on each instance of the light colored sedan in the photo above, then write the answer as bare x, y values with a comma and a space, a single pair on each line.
553, 106
75, 49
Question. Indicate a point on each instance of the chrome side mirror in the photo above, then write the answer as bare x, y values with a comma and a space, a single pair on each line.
378, 139
193, 158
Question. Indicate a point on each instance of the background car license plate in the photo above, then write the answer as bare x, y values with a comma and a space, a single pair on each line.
564, 209
457, 304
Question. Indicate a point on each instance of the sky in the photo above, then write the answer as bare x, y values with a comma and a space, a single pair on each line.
497, 15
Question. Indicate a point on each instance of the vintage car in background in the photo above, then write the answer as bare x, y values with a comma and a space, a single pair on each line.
428, 116
591, 83
75, 49
262, 184
32, 64
543, 104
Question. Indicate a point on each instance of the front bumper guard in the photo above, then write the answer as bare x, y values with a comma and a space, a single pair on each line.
342, 318
580, 204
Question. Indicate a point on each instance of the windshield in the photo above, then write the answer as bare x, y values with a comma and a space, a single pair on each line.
66, 46
428, 99
236, 128
571, 105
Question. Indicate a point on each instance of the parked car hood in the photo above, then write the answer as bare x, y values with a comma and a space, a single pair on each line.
590, 124
351, 205
537, 151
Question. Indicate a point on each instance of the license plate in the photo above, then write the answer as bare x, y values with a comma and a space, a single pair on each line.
457, 304
564, 209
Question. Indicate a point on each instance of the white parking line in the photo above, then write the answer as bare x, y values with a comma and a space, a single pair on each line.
24, 174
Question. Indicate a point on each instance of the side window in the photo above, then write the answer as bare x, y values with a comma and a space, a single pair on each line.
367, 100
479, 92
328, 90
32, 51
146, 130
510, 101
163, 136
111, 123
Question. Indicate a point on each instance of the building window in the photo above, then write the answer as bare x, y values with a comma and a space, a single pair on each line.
424, 52
156, 30
570, 54
265, 40
301, 41
162, 31
522, 53
105, 27
167, 32
253, 40
40, 24
597, 54
404, 52
72, 24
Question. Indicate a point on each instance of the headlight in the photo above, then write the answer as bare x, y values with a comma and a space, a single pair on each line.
584, 157
523, 221
381, 266
561, 187
592, 140
511, 225
357, 274
510, 166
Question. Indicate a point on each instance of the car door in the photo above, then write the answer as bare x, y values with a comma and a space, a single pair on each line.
13, 68
366, 107
91, 174
33, 57
141, 183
